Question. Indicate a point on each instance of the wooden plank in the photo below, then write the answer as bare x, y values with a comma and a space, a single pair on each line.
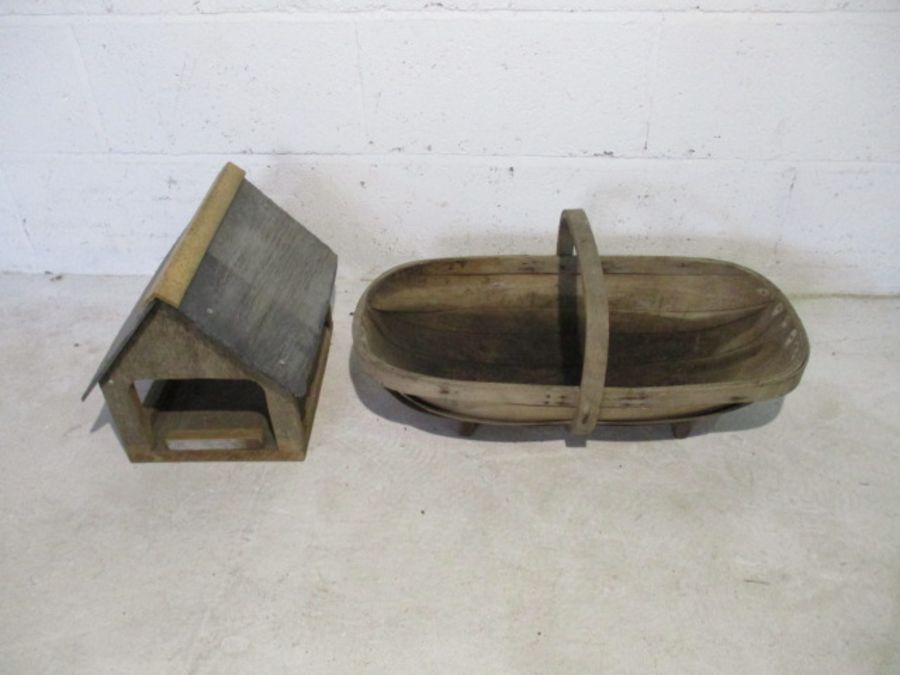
575, 236
229, 438
553, 265
181, 264
311, 402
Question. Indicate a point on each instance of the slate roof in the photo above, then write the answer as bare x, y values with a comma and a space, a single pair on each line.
261, 292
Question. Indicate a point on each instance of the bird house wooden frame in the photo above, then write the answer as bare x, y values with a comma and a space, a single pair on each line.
223, 356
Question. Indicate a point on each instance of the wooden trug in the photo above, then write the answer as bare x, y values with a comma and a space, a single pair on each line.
233, 331
579, 339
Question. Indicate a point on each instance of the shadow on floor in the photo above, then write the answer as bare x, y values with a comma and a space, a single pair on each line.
103, 418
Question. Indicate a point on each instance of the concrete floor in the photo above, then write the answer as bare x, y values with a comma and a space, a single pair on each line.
768, 544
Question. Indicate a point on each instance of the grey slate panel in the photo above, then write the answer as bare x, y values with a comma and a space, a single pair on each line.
263, 290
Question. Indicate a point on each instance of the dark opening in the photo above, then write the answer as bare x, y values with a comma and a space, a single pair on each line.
204, 396
171, 395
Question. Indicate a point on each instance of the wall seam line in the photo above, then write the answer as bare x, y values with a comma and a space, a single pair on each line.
444, 14
652, 77
22, 222
88, 88
597, 158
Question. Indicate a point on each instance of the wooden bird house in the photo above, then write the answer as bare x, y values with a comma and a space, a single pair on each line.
223, 355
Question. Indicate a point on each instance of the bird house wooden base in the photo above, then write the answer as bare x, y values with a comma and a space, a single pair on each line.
223, 356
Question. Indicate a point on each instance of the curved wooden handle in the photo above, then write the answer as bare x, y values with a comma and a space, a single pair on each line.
575, 236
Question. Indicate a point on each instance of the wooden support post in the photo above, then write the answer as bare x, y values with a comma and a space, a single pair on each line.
466, 429
682, 429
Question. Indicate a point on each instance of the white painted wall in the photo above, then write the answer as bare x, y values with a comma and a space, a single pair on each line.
761, 131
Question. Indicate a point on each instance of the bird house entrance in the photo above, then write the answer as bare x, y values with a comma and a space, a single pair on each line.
207, 414
175, 396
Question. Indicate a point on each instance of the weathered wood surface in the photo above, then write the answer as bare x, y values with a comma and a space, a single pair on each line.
220, 419
216, 438
181, 264
243, 296
592, 316
497, 340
